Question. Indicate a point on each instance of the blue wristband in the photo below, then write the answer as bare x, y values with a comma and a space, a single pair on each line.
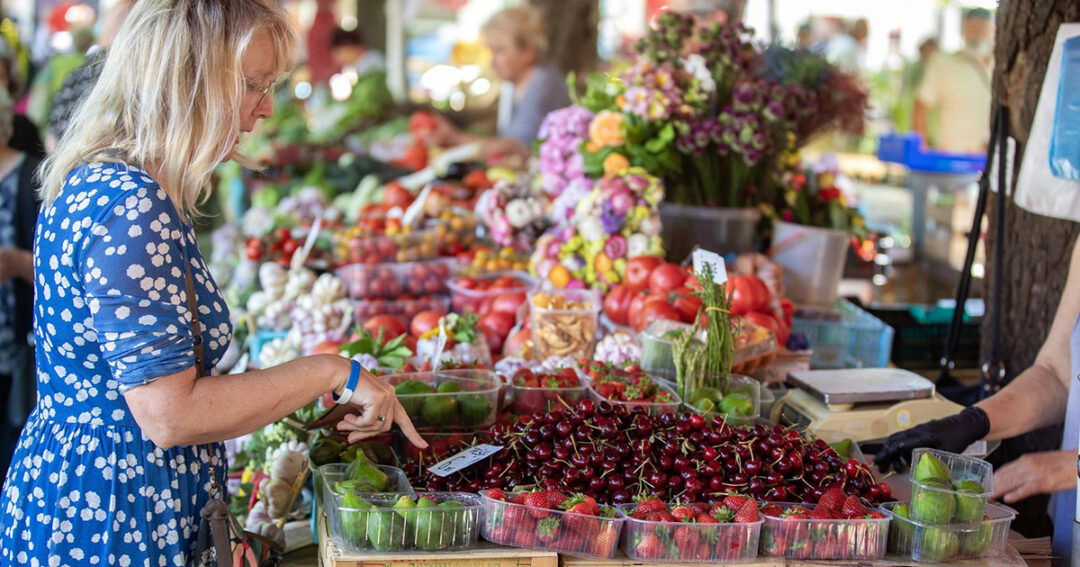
350, 385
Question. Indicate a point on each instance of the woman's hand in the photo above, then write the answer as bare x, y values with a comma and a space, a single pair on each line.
1036, 473
374, 407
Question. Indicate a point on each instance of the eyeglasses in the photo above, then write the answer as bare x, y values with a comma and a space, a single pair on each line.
256, 87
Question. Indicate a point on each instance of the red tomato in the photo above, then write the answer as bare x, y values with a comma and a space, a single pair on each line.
506, 282
692, 283
748, 293
656, 310
515, 343
686, 304
496, 326
395, 195
465, 283
422, 122
638, 270
666, 277
617, 304
328, 347
424, 321
637, 306
508, 302
391, 326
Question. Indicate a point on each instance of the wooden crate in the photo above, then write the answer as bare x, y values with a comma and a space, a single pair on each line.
485, 555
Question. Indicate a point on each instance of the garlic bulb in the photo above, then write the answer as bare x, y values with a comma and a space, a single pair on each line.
275, 352
272, 278
298, 283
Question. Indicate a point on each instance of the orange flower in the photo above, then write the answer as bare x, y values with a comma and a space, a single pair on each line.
606, 129
615, 164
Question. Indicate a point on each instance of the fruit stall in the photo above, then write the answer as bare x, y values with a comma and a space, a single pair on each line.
587, 398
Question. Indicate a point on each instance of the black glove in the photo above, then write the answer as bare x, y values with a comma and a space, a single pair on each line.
952, 434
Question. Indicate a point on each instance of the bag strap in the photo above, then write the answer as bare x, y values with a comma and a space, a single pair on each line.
994, 370
193, 307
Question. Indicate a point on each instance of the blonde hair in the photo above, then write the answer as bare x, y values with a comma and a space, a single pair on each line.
523, 24
169, 95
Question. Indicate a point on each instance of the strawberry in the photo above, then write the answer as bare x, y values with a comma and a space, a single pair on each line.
821, 513
605, 542
580, 516
683, 513
748, 514
874, 515
706, 519
537, 504
795, 513
650, 505
832, 500
525, 538
723, 515
735, 502
501, 534
555, 498
517, 497
518, 518
687, 538
663, 516
547, 529
852, 507
773, 510
650, 547
580, 504
496, 494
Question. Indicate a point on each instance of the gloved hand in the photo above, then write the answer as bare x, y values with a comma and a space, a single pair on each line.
952, 434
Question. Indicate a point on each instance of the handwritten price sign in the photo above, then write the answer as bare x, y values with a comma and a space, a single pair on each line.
464, 459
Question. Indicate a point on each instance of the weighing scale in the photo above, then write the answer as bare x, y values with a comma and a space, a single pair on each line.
865, 404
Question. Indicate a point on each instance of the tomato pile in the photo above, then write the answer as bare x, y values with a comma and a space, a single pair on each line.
278, 247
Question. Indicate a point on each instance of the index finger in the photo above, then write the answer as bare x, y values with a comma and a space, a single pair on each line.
403, 421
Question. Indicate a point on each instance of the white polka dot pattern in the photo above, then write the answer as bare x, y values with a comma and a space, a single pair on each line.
85, 486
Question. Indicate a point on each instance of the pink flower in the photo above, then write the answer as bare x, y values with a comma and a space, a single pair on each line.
788, 216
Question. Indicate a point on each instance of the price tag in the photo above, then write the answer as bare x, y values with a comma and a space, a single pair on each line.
464, 459
704, 258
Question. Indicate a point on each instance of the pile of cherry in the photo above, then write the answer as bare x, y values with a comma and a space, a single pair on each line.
614, 455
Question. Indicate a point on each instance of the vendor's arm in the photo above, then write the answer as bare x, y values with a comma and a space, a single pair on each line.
179, 409
1037, 397
446, 135
16, 263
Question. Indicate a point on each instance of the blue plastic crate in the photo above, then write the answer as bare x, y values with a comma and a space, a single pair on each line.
260, 338
850, 338
906, 149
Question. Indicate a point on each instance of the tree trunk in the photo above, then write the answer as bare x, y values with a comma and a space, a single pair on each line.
1036, 248
572, 33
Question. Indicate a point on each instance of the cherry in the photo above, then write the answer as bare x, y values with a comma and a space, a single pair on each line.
620, 497
615, 483
775, 440
532, 438
697, 422
773, 479
851, 467
752, 467
582, 433
776, 494
604, 408
656, 478
643, 425
579, 460
555, 417
756, 486
714, 468
884, 490
709, 454
697, 438
597, 484
681, 463
740, 479
596, 459
586, 407
716, 484
694, 484
666, 420
731, 467
564, 428
665, 463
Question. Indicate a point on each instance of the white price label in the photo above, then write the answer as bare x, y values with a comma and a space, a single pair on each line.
464, 459
704, 258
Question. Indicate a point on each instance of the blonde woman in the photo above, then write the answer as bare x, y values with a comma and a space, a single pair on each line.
117, 460
517, 41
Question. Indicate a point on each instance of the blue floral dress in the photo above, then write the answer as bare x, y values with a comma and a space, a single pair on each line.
86, 486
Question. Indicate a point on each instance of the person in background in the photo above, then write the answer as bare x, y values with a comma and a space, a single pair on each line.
957, 86
804, 38
351, 52
841, 48
18, 213
51, 77
517, 42
1045, 394
912, 78
81, 80
25, 136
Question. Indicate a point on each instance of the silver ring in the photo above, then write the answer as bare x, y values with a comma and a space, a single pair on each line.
381, 418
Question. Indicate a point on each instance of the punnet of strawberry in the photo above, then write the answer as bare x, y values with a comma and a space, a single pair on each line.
629, 385
727, 530
839, 526
549, 519
531, 392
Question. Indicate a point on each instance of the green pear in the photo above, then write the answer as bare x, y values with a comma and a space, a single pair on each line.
427, 525
968, 508
353, 515
937, 544
409, 394
903, 531
974, 544
930, 467
932, 502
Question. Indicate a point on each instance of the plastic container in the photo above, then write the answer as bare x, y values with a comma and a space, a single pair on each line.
473, 406
754, 347
404, 307
961, 468
654, 408
506, 523
561, 331
729, 384
479, 301
721, 229
325, 476
394, 279
461, 353
863, 539
938, 544
726, 542
846, 337
813, 260
384, 528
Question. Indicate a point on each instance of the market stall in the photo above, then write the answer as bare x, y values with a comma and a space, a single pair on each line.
597, 384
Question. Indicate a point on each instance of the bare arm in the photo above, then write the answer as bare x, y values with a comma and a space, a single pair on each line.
178, 409
16, 263
1037, 397
920, 121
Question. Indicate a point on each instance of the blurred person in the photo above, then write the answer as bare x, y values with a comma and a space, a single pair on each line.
841, 48
518, 42
860, 34
25, 136
18, 211
351, 52
81, 80
957, 86
912, 77
804, 37
51, 76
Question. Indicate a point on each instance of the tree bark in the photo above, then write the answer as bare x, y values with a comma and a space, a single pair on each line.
1036, 248
572, 27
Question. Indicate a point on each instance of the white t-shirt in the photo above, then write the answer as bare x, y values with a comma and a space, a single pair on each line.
958, 85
